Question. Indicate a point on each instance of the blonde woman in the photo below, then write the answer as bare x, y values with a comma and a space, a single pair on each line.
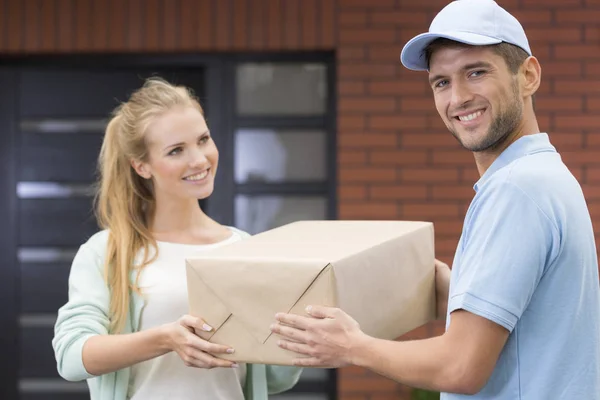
124, 327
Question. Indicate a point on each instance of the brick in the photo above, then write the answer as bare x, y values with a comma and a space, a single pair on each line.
370, 70
367, 140
561, 68
364, 36
351, 88
367, 174
368, 210
578, 157
432, 210
397, 122
592, 139
567, 140
446, 245
594, 208
352, 19
592, 2
351, 53
389, 53
578, 173
530, 18
429, 5
551, 3
399, 87
352, 371
592, 105
469, 174
577, 52
591, 192
351, 121
387, 157
371, 385
555, 35
551, 103
402, 18
592, 174
582, 121
428, 140
591, 33
404, 192
352, 192
448, 228
378, 104
592, 68
352, 157
564, 86
429, 175
452, 192
419, 104
579, 16
365, 4
453, 157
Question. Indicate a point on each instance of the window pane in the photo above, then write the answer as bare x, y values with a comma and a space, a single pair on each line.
281, 89
255, 214
266, 155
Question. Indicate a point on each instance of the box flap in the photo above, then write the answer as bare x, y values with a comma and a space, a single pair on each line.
251, 290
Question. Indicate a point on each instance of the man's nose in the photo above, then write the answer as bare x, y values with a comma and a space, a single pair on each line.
460, 95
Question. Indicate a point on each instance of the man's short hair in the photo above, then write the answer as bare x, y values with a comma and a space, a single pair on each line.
514, 56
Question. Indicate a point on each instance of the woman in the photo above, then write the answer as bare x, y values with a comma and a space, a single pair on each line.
124, 328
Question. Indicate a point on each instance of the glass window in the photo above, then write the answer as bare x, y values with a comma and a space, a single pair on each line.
255, 214
281, 89
271, 156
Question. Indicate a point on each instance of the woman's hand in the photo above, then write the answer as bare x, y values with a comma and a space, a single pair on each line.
193, 350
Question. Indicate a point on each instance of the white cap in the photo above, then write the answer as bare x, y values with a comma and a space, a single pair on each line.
473, 22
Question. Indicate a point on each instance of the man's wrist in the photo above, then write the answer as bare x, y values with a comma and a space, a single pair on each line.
359, 350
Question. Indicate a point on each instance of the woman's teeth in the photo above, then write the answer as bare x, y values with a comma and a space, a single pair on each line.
197, 177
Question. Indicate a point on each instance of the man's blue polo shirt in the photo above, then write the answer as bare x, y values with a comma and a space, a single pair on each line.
527, 261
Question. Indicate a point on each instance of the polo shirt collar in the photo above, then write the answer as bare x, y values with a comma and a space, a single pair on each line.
524, 146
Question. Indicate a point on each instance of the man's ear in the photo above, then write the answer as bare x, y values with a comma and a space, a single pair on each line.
141, 168
531, 76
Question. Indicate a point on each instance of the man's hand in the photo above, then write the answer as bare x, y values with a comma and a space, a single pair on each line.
442, 288
327, 337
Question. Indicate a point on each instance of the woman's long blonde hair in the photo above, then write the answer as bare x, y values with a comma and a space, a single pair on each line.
124, 201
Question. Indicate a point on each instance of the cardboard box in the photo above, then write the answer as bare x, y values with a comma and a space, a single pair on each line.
380, 272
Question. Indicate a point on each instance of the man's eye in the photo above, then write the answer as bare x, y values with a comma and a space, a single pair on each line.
477, 73
441, 83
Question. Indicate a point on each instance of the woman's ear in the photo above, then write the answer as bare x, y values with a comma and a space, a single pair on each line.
531, 73
141, 168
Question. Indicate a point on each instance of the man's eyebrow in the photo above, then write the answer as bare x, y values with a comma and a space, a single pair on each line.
474, 65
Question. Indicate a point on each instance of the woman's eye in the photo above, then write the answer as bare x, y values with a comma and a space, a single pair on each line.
175, 151
204, 139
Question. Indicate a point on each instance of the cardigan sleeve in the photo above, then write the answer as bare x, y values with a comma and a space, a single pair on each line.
282, 378
84, 315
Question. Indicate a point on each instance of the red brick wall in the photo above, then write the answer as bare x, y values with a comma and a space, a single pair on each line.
396, 160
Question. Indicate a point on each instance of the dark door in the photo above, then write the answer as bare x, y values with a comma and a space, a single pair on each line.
59, 119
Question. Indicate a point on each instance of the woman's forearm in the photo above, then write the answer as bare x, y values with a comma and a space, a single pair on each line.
103, 354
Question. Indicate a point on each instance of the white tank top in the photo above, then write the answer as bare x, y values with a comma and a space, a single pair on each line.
164, 286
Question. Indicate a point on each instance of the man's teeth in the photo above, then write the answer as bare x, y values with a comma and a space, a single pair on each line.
197, 177
470, 116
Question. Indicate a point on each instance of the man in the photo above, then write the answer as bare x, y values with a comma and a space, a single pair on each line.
523, 303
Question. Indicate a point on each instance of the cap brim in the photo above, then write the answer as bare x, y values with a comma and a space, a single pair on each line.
413, 57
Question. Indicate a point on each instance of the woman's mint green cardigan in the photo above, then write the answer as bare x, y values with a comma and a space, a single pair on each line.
86, 314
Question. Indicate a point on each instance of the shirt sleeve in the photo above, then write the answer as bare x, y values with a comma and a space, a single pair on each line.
84, 315
507, 246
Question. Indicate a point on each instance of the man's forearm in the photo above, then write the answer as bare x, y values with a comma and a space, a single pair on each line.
427, 364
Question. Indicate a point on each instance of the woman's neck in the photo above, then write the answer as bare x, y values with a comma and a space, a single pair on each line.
185, 222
